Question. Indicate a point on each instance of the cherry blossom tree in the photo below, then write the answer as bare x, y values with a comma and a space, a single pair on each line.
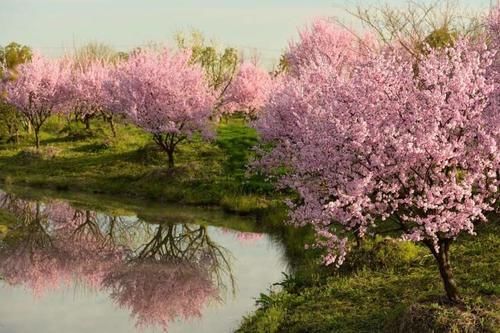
249, 90
164, 94
395, 142
88, 93
38, 90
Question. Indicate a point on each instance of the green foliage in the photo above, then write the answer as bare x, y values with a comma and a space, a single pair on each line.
14, 54
384, 254
441, 38
97, 52
11, 123
434, 317
219, 65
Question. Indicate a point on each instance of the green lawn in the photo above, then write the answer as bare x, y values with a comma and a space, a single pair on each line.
131, 165
389, 287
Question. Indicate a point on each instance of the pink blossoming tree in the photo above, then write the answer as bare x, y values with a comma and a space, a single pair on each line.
249, 90
38, 90
88, 93
394, 142
164, 94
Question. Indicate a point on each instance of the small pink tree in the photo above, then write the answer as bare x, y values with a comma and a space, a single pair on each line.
409, 144
88, 93
164, 94
38, 90
249, 91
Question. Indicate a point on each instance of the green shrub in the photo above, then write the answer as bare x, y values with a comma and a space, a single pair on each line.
434, 318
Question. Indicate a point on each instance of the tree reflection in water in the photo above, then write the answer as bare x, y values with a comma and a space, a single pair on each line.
160, 273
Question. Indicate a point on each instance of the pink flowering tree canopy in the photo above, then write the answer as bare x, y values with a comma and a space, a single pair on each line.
164, 94
249, 90
325, 42
88, 94
393, 142
38, 90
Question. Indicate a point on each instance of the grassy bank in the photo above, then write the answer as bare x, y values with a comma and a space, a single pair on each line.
131, 165
389, 286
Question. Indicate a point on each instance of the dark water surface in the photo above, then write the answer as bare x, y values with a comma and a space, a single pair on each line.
88, 265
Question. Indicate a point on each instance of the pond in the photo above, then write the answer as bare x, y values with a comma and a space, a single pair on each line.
86, 265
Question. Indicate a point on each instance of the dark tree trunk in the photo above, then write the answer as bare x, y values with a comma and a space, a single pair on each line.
37, 137
86, 120
168, 142
170, 154
112, 126
443, 260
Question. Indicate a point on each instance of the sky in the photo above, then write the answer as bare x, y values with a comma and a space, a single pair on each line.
54, 27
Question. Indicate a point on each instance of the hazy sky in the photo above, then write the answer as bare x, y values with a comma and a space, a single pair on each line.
53, 26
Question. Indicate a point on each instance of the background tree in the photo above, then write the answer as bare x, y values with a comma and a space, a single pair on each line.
14, 54
38, 90
163, 93
88, 94
96, 52
91, 64
417, 23
220, 66
248, 91
11, 122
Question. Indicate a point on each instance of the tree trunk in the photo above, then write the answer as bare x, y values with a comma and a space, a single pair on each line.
443, 260
112, 125
37, 138
170, 154
86, 120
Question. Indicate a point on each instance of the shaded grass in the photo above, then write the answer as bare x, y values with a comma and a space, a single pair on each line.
149, 212
131, 165
390, 290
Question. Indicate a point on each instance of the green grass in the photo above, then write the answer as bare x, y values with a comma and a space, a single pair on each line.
390, 288
131, 165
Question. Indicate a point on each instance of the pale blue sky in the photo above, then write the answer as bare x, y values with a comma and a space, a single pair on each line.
53, 26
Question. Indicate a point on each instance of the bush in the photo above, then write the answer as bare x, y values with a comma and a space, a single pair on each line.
384, 253
433, 318
43, 153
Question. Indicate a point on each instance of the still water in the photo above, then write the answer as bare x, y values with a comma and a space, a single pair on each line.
82, 265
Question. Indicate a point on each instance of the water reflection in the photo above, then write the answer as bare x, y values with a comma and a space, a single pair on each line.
160, 273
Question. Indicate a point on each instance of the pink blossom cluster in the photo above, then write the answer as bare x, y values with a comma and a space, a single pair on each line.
161, 92
85, 86
395, 139
36, 88
324, 42
249, 90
